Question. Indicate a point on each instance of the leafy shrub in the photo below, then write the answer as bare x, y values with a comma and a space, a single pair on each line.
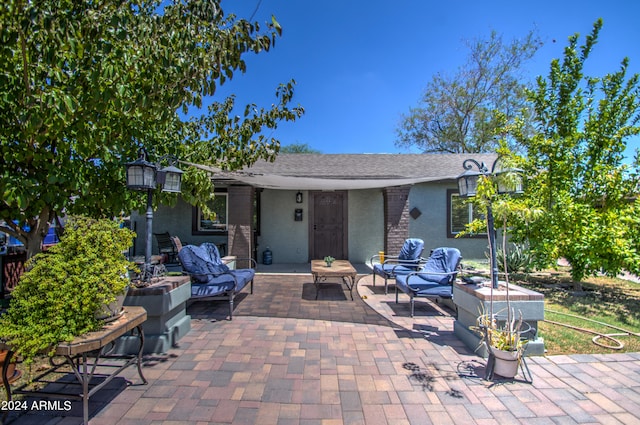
58, 296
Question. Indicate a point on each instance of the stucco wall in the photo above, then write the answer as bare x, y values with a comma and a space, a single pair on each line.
176, 220
288, 239
366, 224
431, 226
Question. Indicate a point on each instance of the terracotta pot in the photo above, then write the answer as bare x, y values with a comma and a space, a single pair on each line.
12, 374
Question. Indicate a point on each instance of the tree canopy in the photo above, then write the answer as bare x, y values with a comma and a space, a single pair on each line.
85, 84
575, 166
461, 113
298, 148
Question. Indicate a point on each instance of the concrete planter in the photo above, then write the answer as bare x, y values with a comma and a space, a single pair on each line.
472, 299
167, 320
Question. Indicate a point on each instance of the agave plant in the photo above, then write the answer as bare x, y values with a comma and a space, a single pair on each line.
516, 258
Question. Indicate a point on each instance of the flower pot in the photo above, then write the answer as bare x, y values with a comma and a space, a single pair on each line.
506, 362
329, 264
112, 311
12, 374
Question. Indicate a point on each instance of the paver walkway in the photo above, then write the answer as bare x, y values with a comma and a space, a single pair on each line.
289, 359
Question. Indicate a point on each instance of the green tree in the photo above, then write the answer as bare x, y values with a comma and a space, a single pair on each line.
575, 167
85, 84
461, 113
298, 148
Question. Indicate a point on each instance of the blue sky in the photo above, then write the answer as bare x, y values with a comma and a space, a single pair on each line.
360, 65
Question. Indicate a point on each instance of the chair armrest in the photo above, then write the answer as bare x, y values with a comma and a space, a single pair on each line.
186, 273
386, 257
415, 264
418, 273
253, 262
233, 259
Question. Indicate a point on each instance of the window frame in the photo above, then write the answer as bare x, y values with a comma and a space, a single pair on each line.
450, 234
195, 218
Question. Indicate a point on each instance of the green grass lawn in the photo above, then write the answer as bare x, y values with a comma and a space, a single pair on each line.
603, 301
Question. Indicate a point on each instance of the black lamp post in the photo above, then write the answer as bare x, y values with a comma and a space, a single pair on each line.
143, 175
467, 187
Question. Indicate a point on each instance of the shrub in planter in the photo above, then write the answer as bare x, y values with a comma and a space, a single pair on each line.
58, 296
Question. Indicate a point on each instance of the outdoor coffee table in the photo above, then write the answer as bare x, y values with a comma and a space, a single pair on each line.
340, 268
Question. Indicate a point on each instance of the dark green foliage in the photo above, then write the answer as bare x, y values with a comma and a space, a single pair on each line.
84, 85
58, 296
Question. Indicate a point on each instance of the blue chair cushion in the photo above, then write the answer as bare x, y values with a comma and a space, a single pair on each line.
407, 261
427, 282
194, 261
410, 253
199, 262
216, 285
441, 260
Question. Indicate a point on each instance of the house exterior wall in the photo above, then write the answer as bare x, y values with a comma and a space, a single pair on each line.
289, 239
366, 224
177, 220
286, 238
431, 225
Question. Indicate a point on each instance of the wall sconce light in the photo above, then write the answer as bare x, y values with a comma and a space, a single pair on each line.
299, 197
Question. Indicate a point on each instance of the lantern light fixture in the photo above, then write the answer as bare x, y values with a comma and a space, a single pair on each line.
143, 175
508, 181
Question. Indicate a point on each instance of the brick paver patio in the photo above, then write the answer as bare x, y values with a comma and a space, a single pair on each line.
289, 359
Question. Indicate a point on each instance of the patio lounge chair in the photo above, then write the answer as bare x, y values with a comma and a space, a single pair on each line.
407, 261
434, 280
210, 277
166, 246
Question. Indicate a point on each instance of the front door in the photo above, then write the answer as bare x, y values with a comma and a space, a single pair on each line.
328, 225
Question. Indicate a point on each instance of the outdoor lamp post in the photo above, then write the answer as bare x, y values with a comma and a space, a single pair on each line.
143, 175
467, 187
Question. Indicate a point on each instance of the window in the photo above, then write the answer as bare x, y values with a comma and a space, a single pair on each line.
460, 213
217, 222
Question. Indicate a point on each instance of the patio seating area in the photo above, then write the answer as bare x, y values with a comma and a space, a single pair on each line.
287, 358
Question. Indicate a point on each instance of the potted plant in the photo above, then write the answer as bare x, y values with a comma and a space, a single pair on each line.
329, 260
503, 342
63, 292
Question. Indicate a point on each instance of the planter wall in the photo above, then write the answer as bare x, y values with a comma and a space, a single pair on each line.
167, 320
471, 299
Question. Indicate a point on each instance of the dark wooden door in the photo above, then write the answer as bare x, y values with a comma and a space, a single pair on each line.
328, 225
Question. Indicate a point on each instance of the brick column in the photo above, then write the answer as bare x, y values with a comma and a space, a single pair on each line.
396, 218
240, 222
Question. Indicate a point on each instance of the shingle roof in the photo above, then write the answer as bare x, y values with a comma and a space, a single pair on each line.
368, 166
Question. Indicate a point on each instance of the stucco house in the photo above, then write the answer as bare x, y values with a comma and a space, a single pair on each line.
349, 206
